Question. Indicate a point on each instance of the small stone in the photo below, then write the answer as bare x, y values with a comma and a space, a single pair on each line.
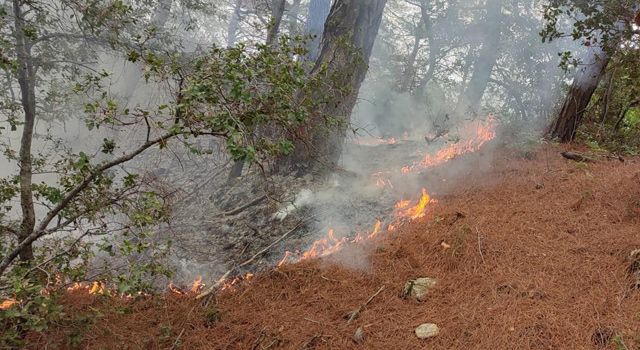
358, 337
427, 330
419, 288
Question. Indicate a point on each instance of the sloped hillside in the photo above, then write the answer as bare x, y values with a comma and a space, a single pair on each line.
532, 255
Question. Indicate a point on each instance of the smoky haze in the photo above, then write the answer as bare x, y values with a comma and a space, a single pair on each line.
436, 68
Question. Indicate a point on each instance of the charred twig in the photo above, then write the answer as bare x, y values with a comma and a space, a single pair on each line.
233, 269
258, 341
310, 342
355, 313
577, 157
175, 344
248, 205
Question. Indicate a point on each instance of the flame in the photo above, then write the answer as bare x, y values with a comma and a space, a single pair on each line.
7, 304
479, 133
95, 287
418, 210
376, 229
197, 285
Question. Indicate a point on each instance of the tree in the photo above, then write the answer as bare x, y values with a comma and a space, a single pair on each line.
349, 34
277, 12
469, 102
316, 17
225, 94
602, 25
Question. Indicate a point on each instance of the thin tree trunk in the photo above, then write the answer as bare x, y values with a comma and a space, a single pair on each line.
232, 34
410, 70
318, 12
607, 97
234, 22
277, 11
623, 113
483, 66
26, 80
158, 21
423, 27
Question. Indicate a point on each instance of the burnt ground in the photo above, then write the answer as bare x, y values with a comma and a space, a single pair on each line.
537, 259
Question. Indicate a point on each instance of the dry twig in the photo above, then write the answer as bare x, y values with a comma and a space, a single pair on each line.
264, 250
355, 313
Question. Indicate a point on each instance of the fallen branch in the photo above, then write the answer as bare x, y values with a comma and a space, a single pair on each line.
355, 313
242, 208
254, 257
577, 157
177, 342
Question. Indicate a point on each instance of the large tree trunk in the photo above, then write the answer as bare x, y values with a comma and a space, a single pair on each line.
483, 66
318, 12
579, 95
347, 42
26, 80
584, 84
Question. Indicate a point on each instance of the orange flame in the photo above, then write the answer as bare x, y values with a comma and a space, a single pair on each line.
7, 304
483, 133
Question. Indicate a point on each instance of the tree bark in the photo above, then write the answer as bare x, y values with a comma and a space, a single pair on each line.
234, 22
577, 100
483, 66
422, 28
584, 84
350, 32
318, 12
277, 11
26, 80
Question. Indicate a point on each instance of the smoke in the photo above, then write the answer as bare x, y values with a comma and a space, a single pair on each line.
407, 111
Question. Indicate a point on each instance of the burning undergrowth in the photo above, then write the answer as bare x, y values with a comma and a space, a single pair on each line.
256, 223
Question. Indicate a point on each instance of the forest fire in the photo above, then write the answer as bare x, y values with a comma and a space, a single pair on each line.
478, 132
406, 210
196, 286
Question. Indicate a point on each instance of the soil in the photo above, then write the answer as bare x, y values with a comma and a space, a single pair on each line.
533, 254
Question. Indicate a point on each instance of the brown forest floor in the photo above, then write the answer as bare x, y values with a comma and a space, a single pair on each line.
528, 268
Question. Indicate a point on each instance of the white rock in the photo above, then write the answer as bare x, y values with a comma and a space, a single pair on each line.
427, 330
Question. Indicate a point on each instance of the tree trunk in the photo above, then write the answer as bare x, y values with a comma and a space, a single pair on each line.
232, 34
277, 11
318, 12
234, 22
347, 42
423, 27
584, 84
294, 11
158, 21
483, 66
26, 80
